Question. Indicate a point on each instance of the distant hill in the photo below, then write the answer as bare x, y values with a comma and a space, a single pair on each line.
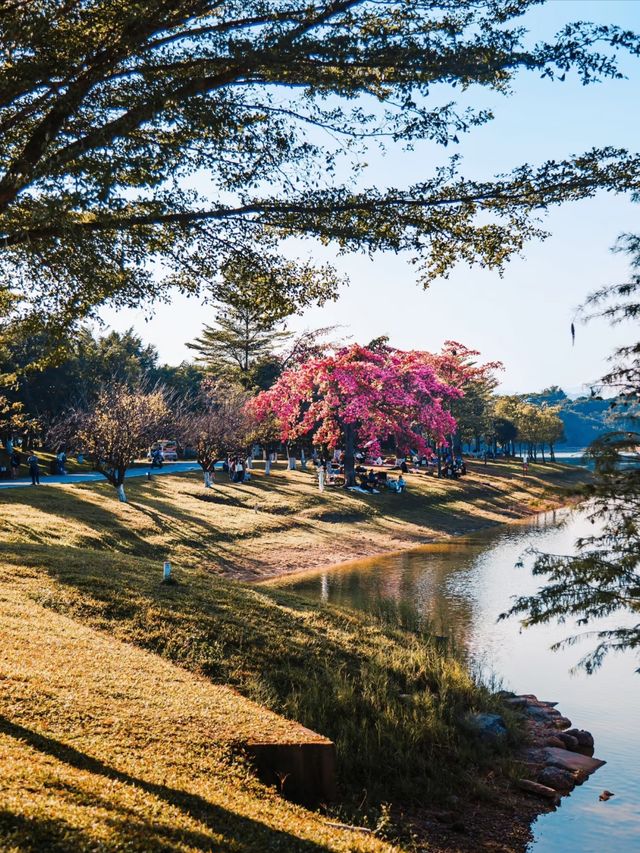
584, 418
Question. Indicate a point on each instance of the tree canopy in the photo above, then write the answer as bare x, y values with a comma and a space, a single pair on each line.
359, 396
113, 430
114, 112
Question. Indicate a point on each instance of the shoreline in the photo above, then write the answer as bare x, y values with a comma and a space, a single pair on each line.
505, 821
296, 530
443, 542
76, 552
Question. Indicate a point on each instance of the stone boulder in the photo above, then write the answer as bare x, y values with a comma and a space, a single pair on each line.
568, 741
584, 738
489, 727
557, 778
571, 761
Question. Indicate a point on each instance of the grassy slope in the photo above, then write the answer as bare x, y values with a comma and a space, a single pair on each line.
280, 524
106, 747
83, 555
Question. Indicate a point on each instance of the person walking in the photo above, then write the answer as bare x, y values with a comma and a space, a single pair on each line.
14, 464
61, 460
34, 469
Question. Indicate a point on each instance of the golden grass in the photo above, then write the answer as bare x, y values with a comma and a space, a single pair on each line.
106, 747
276, 524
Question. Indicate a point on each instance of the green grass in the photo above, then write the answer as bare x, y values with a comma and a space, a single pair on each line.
393, 701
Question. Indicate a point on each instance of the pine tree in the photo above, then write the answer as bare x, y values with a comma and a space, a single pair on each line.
603, 577
247, 332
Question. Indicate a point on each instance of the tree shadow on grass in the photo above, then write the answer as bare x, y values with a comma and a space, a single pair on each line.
112, 533
35, 834
241, 833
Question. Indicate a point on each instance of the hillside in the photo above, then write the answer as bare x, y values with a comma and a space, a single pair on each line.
584, 418
114, 744
106, 747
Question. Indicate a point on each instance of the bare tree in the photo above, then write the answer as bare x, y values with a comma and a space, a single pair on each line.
217, 424
114, 429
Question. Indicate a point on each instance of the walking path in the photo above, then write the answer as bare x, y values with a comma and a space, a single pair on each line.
91, 476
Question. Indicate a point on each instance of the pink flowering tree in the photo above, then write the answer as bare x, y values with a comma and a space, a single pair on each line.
359, 396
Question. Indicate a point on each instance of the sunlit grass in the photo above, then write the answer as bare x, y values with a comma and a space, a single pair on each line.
116, 749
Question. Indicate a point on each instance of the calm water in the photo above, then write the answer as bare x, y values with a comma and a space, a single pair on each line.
461, 589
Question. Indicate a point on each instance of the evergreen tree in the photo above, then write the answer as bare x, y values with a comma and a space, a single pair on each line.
242, 336
603, 577
253, 301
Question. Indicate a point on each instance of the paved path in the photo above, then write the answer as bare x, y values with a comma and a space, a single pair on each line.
93, 476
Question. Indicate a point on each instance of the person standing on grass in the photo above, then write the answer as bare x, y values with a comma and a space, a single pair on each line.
34, 469
14, 464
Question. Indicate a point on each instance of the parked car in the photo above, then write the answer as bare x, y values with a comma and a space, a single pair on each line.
168, 448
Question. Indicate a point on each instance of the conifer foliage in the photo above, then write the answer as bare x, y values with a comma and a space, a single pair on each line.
603, 579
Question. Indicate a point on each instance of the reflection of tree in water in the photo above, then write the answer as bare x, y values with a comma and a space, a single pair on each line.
411, 589
440, 588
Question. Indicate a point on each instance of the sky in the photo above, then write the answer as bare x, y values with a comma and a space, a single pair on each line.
524, 317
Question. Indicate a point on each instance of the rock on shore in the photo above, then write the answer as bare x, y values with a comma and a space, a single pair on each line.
557, 757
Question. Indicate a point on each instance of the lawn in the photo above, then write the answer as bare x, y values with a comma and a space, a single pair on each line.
115, 745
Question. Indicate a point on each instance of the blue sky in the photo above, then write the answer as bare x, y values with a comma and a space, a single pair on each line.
524, 317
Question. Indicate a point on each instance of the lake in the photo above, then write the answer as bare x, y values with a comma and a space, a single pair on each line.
459, 589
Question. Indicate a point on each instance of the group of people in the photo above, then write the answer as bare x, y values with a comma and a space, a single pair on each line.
453, 467
33, 465
238, 470
368, 481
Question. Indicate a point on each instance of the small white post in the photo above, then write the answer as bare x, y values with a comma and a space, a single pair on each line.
166, 571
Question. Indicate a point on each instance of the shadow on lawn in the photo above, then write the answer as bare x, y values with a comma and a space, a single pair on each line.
241, 833
111, 533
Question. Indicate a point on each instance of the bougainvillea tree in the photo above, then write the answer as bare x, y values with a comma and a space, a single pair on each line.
359, 396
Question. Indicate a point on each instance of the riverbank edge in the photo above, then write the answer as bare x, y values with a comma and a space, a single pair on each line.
283, 580
126, 511
504, 819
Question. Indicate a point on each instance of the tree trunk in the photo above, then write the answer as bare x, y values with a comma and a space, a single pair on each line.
207, 480
267, 465
552, 452
349, 455
542, 450
121, 495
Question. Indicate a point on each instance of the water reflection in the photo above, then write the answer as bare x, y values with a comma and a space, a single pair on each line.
458, 590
